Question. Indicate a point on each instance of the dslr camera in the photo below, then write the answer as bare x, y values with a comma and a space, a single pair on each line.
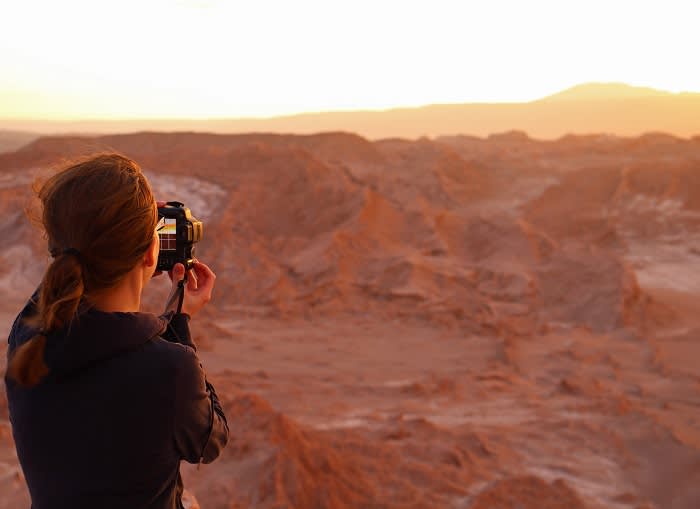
178, 232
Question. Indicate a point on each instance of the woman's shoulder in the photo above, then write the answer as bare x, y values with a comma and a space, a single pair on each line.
23, 329
176, 355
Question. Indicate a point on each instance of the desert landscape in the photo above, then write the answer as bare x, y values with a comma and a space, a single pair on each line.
465, 322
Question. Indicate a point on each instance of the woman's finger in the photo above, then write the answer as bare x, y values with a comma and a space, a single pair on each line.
203, 271
192, 282
206, 279
177, 272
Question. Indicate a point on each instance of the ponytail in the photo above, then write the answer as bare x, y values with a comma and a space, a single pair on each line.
104, 207
61, 291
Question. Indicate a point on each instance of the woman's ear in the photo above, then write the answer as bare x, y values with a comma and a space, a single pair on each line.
150, 259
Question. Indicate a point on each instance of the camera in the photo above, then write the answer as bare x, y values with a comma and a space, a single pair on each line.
178, 232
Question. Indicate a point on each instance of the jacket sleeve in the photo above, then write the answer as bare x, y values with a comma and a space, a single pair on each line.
178, 329
200, 428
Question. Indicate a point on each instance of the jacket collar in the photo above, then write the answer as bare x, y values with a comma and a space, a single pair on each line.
91, 337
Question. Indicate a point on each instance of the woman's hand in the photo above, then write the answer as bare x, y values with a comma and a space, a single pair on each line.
199, 287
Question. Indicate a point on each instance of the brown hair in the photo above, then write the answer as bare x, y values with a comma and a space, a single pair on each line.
99, 216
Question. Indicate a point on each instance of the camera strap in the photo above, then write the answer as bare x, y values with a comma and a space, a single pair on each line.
177, 297
181, 293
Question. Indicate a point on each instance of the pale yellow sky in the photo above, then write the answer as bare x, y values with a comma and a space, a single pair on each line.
73, 59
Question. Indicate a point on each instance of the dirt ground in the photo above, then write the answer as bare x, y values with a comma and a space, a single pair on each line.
452, 323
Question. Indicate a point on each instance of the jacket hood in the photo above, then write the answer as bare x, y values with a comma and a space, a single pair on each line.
91, 337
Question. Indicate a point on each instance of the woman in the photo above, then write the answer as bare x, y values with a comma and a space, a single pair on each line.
105, 400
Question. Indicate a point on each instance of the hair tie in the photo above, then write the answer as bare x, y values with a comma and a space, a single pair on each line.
68, 251
71, 251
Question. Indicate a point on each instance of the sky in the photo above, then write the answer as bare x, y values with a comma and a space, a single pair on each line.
88, 59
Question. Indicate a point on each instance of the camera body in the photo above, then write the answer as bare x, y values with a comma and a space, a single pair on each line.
178, 232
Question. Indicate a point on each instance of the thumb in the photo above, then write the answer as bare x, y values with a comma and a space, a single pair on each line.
178, 272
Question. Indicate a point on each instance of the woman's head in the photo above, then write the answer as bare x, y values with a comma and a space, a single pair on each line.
99, 217
102, 207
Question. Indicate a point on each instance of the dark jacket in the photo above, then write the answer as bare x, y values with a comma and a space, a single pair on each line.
125, 400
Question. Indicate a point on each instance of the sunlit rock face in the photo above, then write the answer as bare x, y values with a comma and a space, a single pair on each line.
452, 322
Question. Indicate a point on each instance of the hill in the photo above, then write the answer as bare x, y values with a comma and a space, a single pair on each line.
605, 91
12, 140
590, 108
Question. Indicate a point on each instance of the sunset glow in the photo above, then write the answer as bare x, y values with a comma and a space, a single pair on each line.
204, 59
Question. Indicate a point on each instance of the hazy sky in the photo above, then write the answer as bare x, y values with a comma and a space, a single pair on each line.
230, 58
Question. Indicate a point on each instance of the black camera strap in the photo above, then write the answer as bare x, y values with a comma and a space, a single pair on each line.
177, 297
181, 293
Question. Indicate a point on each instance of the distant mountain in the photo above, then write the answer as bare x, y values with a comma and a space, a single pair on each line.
611, 108
12, 140
605, 91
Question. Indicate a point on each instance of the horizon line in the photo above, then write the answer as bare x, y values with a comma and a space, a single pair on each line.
252, 118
